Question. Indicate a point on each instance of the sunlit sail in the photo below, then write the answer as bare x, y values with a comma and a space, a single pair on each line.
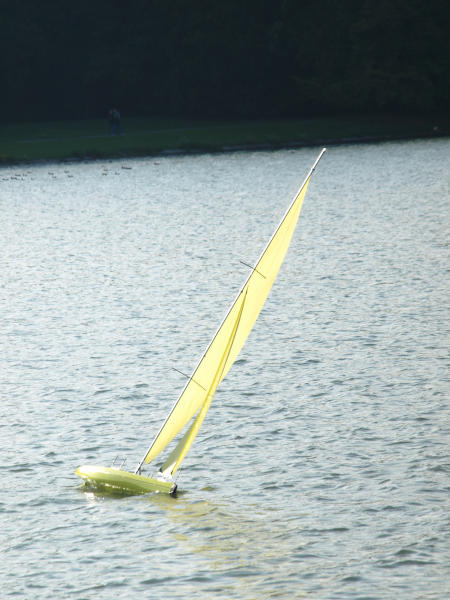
175, 458
195, 399
256, 290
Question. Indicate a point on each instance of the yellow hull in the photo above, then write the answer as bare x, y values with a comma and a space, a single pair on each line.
110, 479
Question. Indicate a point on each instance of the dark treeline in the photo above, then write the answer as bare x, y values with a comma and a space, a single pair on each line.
230, 58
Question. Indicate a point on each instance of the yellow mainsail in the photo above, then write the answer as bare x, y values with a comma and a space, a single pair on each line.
227, 342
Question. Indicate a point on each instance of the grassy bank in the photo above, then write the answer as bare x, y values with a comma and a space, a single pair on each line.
68, 140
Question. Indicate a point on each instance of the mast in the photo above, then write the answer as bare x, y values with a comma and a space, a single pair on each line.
252, 274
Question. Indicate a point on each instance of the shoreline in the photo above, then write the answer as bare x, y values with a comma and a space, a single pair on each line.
79, 141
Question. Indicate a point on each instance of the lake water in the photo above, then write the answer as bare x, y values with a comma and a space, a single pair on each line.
322, 469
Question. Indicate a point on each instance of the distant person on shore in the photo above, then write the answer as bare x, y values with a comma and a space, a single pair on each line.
110, 121
114, 121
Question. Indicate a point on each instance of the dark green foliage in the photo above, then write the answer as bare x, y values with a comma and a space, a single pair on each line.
236, 58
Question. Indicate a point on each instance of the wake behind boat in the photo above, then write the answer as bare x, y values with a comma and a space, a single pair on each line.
196, 397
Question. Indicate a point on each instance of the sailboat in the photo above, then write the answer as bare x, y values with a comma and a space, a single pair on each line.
189, 411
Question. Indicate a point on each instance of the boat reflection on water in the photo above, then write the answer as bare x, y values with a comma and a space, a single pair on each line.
237, 548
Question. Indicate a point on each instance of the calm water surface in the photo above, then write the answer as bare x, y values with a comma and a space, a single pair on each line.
322, 469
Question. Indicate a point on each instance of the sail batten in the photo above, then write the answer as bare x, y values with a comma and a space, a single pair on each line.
227, 341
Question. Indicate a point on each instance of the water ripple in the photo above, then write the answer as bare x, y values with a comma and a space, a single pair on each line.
322, 469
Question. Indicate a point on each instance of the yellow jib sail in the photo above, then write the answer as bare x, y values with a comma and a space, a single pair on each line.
227, 343
182, 448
